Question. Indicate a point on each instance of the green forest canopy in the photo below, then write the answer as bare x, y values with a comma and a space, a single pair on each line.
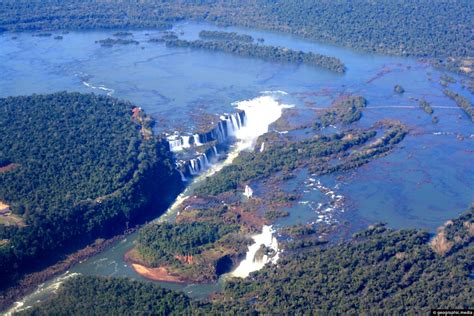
406, 27
379, 270
83, 169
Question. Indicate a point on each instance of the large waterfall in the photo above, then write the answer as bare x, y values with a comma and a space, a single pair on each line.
243, 127
225, 129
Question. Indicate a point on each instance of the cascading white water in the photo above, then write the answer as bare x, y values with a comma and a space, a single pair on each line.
259, 114
252, 263
248, 192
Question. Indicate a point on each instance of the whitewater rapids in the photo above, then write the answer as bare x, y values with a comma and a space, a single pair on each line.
251, 263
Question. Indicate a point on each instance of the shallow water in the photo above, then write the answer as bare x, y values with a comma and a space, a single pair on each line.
424, 182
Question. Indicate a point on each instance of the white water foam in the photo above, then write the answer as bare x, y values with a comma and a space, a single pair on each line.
251, 263
248, 192
260, 113
37, 296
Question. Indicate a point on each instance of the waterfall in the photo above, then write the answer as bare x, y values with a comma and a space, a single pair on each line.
250, 121
202, 162
262, 147
248, 192
226, 128
252, 263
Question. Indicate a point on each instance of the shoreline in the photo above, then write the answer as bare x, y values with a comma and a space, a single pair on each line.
160, 274
31, 281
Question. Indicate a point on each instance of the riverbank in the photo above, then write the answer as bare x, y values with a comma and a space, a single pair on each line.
31, 281
156, 274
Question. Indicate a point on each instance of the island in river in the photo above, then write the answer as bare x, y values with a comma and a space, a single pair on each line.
328, 109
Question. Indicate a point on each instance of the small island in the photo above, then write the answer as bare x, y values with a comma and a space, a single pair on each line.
270, 53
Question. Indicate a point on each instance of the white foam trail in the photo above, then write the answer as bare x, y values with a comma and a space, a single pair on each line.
41, 290
103, 88
274, 92
250, 263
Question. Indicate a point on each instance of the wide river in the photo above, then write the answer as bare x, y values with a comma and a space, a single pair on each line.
424, 182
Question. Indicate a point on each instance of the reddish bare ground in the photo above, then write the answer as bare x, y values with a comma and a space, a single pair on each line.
9, 167
155, 274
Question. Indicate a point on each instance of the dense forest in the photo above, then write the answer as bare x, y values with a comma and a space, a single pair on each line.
84, 167
225, 36
159, 244
344, 111
271, 53
407, 27
378, 270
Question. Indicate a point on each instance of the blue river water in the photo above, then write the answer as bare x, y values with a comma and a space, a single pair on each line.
424, 182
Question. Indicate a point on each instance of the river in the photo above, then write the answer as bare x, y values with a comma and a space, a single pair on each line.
426, 181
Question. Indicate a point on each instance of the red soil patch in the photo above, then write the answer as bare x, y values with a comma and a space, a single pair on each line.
156, 274
9, 167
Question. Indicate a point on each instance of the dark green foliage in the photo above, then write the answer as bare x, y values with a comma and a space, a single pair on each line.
159, 243
225, 36
426, 107
109, 42
274, 214
84, 171
380, 271
406, 27
279, 157
122, 34
462, 102
271, 53
344, 111
398, 89
87, 295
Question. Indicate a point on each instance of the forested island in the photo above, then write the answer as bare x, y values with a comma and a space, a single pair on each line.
225, 36
378, 270
462, 102
75, 167
109, 42
271, 53
401, 28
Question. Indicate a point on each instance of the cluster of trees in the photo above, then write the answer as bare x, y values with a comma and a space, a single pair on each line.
271, 53
407, 27
380, 270
344, 111
428, 110
398, 89
284, 156
426, 107
225, 36
84, 171
462, 102
394, 134
88, 295
158, 244
109, 42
